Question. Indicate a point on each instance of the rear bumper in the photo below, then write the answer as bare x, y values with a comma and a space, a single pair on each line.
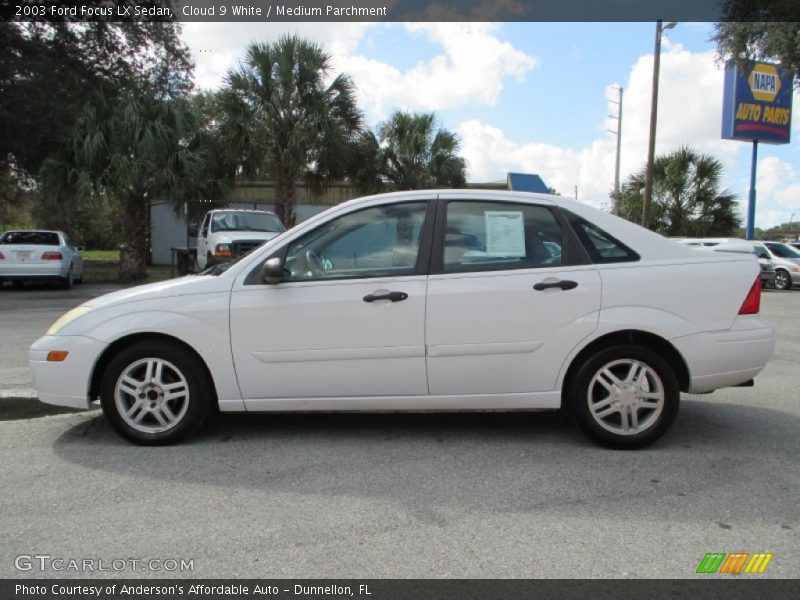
727, 358
26, 271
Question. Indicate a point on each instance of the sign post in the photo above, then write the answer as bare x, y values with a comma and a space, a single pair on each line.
756, 107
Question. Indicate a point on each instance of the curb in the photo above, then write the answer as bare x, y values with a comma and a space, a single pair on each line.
18, 394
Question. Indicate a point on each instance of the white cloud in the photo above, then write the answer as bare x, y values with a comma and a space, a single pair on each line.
471, 70
771, 174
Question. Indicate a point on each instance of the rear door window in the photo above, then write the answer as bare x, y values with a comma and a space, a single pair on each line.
493, 236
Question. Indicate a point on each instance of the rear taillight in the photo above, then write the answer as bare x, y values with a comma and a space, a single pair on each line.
2, 257
752, 303
52, 256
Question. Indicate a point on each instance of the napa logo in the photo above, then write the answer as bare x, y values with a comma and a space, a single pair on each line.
764, 81
735, 563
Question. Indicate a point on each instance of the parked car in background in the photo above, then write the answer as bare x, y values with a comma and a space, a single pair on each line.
425, 300
786, 260
764, 259
227, 234
39, 255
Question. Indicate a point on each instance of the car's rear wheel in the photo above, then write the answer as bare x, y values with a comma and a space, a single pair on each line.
624, 396
783, 281
153, 393
69, 282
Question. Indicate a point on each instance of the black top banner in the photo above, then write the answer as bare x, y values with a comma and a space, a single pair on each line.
400, 10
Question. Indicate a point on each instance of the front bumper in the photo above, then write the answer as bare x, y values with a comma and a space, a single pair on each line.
727, 358
64, 383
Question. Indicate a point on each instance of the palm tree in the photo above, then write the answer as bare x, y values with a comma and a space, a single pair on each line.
290, 117
134, 149
416, 155
687, 199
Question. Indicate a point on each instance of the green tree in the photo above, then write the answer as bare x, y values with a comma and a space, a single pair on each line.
133, 149
758, 30
417, 155
49, 71
687, 199
289, 116
368, 164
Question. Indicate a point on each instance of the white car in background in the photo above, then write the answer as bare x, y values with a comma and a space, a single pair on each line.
425, 300
39, 255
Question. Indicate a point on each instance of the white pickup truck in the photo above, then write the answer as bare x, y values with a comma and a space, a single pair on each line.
228, 233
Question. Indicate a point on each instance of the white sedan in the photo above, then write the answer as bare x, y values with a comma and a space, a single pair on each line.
428, 300
39, 255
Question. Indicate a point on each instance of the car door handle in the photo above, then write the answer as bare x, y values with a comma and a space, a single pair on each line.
391, 296
564, 284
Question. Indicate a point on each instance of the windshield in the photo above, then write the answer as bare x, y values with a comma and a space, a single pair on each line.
245, 221
783, 251
38, 238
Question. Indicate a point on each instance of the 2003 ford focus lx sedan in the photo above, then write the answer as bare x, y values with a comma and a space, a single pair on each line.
442, 300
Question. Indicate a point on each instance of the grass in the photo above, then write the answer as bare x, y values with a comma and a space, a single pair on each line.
100, 254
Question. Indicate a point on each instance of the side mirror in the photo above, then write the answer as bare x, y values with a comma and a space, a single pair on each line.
272, 271
192, 230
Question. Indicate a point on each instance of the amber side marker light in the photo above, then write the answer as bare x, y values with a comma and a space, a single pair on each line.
56, 355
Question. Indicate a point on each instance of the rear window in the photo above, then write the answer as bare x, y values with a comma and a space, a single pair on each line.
36, 238
601, 246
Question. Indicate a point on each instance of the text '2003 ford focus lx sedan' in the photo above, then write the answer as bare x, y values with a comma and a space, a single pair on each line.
442, 300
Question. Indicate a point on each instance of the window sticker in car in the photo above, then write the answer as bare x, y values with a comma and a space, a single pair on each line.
505, 233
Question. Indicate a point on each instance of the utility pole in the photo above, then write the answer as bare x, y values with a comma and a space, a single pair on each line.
651, 148
618, 133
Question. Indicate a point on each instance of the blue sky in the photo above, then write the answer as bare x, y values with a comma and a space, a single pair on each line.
534, 96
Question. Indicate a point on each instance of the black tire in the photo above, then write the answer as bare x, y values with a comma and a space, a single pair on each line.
69, 282
199, 399
578, 397
783, 280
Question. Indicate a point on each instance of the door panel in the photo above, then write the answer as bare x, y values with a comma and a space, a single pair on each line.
493, 333
321, 339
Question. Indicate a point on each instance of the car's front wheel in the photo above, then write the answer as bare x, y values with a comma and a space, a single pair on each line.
624, 396
153, 393
783, 281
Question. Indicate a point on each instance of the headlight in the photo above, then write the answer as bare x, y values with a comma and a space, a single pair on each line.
67, 318
222, 250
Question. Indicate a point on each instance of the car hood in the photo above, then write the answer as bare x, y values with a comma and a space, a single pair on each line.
191, 284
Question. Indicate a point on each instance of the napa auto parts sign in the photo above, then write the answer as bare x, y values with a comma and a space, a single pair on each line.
757, 104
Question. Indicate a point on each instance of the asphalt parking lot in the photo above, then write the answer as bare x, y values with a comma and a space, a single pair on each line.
372, 496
